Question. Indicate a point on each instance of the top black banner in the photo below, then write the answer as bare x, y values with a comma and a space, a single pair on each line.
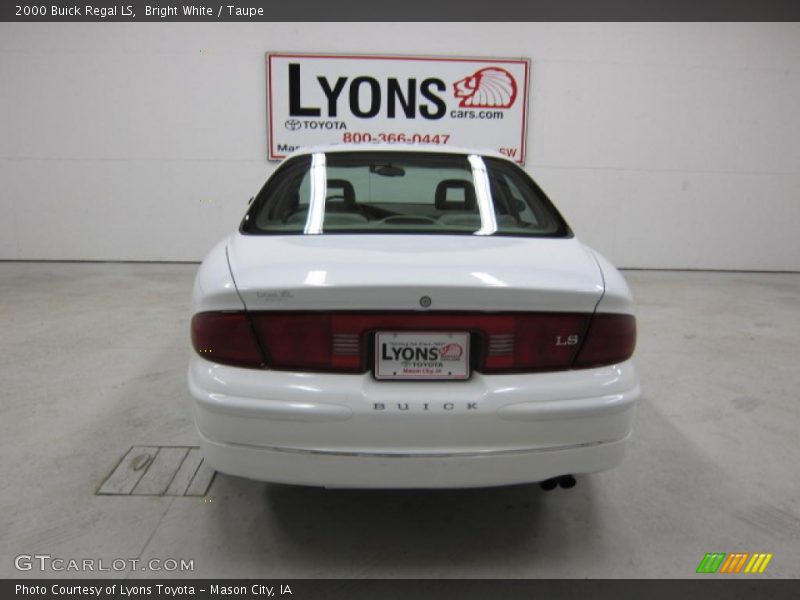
407, 10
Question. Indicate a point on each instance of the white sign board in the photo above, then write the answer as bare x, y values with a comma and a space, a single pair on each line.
316, 99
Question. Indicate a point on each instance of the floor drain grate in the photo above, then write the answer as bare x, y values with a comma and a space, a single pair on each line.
159, 471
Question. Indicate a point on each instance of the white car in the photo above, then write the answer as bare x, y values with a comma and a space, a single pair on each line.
409, 317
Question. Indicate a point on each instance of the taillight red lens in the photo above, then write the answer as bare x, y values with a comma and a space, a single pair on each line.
508, 342
534, 342
226, 338
611, 339
306, 342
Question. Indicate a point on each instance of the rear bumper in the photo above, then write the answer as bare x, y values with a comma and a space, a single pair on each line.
354, 431
351, 470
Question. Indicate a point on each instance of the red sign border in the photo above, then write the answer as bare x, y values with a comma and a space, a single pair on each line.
525, 62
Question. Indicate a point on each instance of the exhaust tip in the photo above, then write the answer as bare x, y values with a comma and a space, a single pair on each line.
567, 481
548, 484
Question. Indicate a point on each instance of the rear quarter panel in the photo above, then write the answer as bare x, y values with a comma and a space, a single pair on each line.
617, 297
214, 288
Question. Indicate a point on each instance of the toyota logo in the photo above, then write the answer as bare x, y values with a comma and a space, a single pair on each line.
292, 124
425, 301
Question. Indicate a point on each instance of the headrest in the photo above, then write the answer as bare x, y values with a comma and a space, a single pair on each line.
341, 189
465, 194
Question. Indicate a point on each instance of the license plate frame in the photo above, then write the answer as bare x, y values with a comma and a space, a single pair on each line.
393, 362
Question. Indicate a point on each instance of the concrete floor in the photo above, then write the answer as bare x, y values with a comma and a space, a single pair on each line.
94, 362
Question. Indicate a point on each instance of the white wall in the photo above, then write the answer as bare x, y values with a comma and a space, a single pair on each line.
665, 145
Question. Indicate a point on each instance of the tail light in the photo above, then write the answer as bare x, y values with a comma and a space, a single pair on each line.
227, 338
533, 342
611, 339
509, 342
308, 342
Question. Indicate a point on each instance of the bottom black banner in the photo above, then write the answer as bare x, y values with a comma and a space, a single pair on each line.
405, 589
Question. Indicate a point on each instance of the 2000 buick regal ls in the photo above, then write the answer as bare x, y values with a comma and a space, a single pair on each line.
395, 317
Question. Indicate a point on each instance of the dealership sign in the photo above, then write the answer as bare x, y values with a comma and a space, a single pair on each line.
316, 99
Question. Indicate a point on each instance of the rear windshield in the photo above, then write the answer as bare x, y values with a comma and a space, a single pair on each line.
402, 192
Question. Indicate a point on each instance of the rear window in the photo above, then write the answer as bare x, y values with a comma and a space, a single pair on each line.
402, 192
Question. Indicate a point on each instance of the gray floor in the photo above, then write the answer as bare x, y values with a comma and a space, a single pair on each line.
94, 360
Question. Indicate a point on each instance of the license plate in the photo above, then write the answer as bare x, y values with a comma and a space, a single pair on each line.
421, 355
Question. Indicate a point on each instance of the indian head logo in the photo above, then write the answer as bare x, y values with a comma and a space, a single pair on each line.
451, 352
491, 87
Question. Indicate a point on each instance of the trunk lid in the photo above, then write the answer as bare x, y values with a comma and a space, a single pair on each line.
393, 272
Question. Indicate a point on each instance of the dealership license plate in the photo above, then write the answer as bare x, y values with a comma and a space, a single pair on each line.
421, 355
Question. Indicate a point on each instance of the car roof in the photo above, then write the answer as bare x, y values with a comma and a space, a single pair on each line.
386, 147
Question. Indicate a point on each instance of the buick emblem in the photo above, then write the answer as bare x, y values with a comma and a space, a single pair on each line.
292, 124
425, 301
